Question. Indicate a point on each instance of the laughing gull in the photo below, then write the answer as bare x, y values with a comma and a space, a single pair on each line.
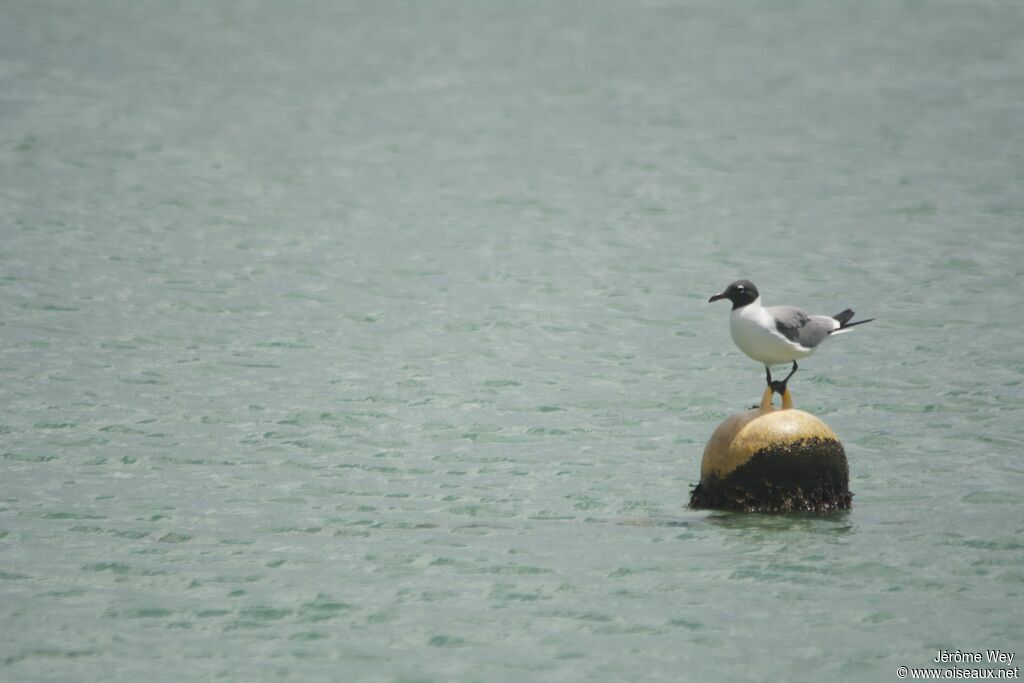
776, 335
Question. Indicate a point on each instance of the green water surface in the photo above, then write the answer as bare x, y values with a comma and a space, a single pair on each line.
369, 341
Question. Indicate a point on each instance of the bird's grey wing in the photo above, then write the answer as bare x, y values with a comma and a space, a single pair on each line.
798, 326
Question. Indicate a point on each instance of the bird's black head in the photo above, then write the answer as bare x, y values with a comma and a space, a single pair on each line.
740, 293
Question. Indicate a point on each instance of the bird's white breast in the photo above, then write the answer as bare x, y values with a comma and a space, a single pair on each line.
754, 332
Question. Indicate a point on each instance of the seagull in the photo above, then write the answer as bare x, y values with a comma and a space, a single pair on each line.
776, 335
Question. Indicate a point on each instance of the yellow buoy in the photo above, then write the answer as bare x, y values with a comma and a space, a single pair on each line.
773, 460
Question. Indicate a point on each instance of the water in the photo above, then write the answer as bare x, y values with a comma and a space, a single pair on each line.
369, 341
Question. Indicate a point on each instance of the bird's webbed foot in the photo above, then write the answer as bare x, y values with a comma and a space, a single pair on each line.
779, 385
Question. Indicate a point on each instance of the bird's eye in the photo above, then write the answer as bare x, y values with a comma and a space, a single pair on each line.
739, 288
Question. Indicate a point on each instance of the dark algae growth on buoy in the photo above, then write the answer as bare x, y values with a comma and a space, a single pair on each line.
773, 460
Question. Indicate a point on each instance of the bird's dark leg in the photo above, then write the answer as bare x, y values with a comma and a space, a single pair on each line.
768, 374
795, 368
779, 386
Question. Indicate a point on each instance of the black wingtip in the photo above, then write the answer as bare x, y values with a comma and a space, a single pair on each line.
844, 317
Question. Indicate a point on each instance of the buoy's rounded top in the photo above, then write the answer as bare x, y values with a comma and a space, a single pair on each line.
741, 436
